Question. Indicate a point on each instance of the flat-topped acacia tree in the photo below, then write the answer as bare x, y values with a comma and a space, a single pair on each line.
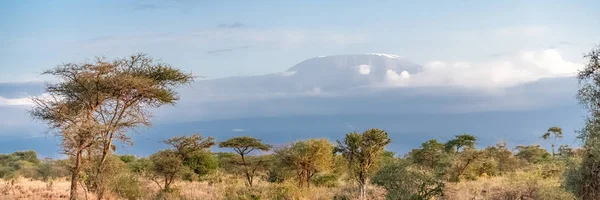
90, 104
243, 146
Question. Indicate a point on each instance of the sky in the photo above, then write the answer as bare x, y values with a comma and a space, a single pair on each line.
217, 39
492, 61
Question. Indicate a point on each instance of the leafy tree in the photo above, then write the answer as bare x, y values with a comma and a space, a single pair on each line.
363, 151
243, 146
127, 158
589, 96
29, 156
405, 181
307, 158
565, 151
91, 104
464, 162
461, 141
503, 157
168, 165
532, 153
552, 135
45, 170
201, 162
432, 154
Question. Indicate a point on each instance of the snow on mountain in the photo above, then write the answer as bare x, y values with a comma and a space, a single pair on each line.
314, 76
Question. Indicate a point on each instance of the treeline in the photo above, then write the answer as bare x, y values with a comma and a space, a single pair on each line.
358, 159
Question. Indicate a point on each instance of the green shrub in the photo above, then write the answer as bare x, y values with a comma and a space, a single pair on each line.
402, 180
127, 186
326, 180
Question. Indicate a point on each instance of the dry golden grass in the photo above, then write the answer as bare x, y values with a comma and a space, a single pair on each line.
519, 185
32, 189
228, 189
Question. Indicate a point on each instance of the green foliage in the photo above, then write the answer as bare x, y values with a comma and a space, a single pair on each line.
403, 180
201, 162
432, 155
91, 104
127, 186
45, 170
461, 141
244, 146
467, 164
140, 166
589, 96
565, 151
363, 152
307, 158
532, 153
167, 166
503, 158
190, 154
127, 158
29, 156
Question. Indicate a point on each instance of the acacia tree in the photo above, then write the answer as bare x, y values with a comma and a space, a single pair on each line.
167, 165
589, 96
91, 104
431, 154
552, 134
461, 141
306, 158
244, 146
362, 151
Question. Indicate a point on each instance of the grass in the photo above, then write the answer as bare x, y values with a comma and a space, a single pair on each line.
229, 189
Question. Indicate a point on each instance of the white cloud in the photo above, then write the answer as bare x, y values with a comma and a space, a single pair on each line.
238, 130
525, 67
15, 102
25, 101
398, 79
364, 69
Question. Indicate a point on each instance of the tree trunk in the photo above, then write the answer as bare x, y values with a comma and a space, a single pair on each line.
553, 150
75, 175
362, 187
99, 177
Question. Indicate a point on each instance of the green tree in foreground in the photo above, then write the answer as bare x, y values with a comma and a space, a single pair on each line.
91, 104
589, 96
363, 151
306, 158
551, 135
244, 146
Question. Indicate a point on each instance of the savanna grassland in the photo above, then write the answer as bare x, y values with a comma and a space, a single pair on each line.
92, 105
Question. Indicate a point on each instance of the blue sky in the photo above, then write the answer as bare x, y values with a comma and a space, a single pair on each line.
226, 38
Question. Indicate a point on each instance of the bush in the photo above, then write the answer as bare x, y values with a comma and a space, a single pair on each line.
284, 191
402, 180
127, 186
325, 180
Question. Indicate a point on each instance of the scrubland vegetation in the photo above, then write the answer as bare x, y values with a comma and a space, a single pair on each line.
307, 169
92, 104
